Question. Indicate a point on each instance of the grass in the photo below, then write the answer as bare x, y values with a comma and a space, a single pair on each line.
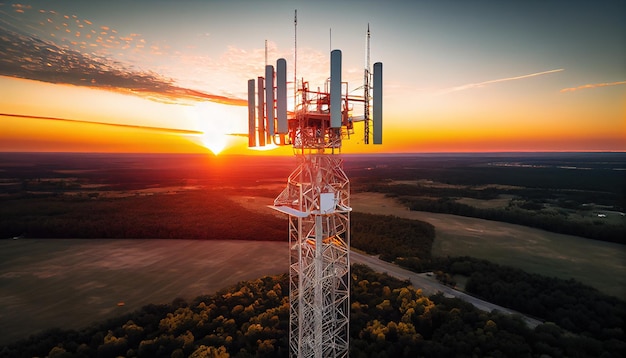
501, 202
70, 283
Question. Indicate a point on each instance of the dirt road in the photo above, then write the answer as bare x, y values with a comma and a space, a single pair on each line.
430, 286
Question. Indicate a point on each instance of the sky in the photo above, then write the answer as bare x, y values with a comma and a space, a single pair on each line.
171, 76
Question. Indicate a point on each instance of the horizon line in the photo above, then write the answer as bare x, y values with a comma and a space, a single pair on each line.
587, 151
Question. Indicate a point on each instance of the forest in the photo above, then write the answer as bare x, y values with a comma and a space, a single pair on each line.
389, 318
390, 236
196, 214
568, 303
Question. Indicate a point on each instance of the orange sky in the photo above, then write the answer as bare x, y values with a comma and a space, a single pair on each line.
427, 132
490, 84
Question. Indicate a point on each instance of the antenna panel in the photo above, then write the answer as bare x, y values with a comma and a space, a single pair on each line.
269, 99
281, 95
377, 118
251, 116
335, 89
261, 111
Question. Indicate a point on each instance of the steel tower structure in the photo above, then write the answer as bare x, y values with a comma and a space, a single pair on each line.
316, 199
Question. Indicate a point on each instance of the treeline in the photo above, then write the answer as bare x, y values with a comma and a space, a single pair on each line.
390, 236
389, 318
438, 200
515, 215
600, 181
198, 214
572, 197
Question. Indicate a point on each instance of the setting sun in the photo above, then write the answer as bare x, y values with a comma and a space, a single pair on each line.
218, 122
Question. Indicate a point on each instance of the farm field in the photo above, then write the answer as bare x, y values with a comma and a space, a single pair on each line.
70, 283
599, 264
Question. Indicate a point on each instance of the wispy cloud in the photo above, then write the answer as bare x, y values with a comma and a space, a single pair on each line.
150, 128
593, 85
67, 50
490, 82
27, 57
49, 46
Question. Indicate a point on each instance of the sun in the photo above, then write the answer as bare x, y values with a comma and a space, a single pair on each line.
214, 142
218, 122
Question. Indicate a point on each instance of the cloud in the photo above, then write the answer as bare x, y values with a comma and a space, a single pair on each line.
47, 46
150, 128
593, 85
26, 56
485, 83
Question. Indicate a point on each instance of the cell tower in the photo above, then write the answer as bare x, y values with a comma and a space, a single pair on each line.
317, 196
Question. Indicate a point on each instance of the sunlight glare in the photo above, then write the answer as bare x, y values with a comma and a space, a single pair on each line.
215, 141
216, 121
264, 148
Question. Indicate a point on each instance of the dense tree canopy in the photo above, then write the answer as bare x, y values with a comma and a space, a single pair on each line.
198, 214
390, 236
573, 306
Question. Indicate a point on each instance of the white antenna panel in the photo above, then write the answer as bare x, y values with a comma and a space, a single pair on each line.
281, 96
251, 116
335, 89
377, 118
269, 98
261, 112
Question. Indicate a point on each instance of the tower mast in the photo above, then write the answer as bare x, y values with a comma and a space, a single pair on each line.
317, 196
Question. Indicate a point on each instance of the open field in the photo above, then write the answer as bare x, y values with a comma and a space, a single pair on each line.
599, 264
71, 283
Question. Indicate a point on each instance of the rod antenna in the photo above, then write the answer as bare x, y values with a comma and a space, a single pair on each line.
295, 59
